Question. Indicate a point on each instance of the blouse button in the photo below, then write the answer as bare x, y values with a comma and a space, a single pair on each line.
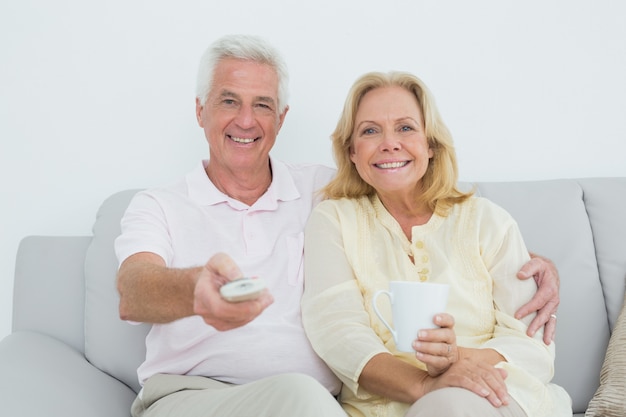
419, 244
424, 259
423, 277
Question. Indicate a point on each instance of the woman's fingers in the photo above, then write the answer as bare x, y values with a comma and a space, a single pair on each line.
484, 380
437, 348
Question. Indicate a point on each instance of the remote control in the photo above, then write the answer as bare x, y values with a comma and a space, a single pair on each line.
242, 289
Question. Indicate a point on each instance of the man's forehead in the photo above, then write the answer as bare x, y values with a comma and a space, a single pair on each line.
245, 78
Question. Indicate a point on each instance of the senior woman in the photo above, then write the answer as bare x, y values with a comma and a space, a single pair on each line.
394, 212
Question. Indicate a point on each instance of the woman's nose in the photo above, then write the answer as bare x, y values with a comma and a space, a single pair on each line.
390, 142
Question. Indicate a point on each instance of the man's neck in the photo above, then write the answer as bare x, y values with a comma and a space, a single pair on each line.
246, 185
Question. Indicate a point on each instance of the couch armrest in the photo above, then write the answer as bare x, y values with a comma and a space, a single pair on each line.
41, 376
49, 289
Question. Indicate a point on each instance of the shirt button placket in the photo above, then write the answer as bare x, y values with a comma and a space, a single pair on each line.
424, 261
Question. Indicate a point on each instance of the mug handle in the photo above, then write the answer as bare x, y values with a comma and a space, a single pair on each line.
380, 316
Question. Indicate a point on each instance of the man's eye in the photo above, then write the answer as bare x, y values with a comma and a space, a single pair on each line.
228, 101
264, 107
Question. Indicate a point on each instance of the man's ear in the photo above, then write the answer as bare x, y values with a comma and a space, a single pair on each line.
199, 112
281, 118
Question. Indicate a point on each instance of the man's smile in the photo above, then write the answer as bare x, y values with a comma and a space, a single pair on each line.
242, 140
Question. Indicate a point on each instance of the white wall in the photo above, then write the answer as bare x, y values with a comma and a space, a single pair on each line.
98, 96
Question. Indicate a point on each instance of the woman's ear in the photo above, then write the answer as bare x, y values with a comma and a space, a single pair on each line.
351, 153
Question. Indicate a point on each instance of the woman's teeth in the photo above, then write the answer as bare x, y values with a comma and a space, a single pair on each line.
388, 165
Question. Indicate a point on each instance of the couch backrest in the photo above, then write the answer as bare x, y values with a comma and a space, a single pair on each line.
605, 202
562, 220
115, 346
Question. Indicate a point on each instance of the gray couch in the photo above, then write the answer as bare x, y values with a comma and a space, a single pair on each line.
70, 355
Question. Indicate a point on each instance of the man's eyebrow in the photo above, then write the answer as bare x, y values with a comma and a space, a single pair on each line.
266, 99
226, 93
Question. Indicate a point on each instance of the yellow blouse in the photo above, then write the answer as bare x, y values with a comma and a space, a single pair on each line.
354, 247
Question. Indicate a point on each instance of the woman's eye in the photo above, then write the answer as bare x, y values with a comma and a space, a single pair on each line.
369, 131
406, 128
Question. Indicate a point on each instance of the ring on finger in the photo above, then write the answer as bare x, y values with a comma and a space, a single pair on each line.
553, 316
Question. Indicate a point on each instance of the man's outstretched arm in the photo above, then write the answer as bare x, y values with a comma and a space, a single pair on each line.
150, 292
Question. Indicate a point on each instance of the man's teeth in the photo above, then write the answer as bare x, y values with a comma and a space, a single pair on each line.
388, 165
242, 140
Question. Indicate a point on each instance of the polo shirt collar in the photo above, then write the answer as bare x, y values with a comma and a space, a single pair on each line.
203, 191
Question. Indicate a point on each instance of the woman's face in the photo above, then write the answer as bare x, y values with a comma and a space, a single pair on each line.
389, 146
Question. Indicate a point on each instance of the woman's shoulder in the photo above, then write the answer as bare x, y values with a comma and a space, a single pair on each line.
341, 204
343, 210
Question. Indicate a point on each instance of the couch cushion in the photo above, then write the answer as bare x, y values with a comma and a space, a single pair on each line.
605, 201
41, 376
610, 399
114, 346
554, 222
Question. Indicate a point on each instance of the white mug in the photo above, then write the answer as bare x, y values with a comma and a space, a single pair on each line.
413, 307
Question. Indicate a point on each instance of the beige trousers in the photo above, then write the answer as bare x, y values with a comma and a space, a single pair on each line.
459, 402
287, 395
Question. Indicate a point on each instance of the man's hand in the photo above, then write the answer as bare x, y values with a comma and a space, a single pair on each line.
209, 304
546, 299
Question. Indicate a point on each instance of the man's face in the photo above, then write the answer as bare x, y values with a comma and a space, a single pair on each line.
240, 117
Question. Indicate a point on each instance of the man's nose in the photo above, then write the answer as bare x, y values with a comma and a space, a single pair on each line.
245, 117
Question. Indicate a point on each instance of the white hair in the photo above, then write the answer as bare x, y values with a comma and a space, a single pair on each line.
246, 47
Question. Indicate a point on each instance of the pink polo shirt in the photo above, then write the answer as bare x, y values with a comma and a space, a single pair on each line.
186, 223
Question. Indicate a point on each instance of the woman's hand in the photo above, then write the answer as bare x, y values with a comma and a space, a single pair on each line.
437, 348
481, 378
451, 366
398, 380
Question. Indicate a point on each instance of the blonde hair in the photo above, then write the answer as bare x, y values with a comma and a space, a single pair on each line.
440, 190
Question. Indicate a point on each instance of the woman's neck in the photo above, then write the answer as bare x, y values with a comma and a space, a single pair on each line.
408, 211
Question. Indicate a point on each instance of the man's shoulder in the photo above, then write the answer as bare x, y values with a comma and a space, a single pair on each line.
309, 169
308, 175
170, 188
180, 186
